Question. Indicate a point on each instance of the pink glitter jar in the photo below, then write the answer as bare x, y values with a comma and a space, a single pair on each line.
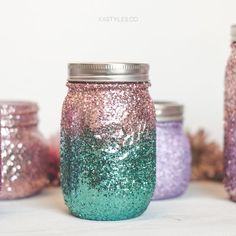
230, 120
108, 141
23, 151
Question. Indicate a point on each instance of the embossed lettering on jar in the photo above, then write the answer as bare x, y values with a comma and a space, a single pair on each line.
23, 150
108, 141
173, 165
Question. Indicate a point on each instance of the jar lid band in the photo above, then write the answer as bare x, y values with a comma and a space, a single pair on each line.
108, 72
233, 33
168, 111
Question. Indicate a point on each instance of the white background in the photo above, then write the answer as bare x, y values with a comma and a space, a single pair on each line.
186, 43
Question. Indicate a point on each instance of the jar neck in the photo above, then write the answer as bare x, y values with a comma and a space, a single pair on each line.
25, 120
233, 46
18, 114
232, 55
80, 86
178, 124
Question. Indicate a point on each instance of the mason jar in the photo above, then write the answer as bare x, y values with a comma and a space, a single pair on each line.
23, 150
230, 120
173, 157
108, 139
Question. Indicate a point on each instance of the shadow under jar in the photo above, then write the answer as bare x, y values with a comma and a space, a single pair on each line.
23, 150
108, 141
173, 164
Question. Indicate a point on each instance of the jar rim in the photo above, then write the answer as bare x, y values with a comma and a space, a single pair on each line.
168, 111
14, 107
108, 72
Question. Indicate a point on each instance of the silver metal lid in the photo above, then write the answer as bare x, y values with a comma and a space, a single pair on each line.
108, 72
168, 111
233, 33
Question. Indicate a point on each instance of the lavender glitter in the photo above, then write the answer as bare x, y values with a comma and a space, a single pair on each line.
173, 157
230, 125
173, 168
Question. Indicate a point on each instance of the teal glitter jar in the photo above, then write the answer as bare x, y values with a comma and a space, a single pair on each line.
108, 141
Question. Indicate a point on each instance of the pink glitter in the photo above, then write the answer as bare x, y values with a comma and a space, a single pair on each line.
23, 151
78, 106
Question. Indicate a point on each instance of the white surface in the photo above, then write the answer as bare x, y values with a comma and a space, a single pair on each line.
186, 43
204, 210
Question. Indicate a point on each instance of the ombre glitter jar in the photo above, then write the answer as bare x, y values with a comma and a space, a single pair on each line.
230, 120
108, 139
23, 150
173, 165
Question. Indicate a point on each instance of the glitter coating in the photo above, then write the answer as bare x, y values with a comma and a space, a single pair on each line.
23, 151
173, 164
230, 125
108, 150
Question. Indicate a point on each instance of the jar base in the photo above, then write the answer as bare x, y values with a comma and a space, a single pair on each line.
107, 218
161, 198
104, 208
233, 198
16, 196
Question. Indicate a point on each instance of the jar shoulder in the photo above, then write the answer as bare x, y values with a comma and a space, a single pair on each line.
172, 132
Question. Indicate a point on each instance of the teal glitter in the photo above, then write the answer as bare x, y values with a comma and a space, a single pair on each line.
108, 179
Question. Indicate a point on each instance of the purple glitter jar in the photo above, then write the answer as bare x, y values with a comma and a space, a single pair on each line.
230, 121
173, 165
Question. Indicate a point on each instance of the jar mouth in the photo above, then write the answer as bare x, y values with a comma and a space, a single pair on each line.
168, 111
108, 72
18, 113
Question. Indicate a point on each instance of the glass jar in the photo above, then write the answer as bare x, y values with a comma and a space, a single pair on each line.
230, 120
108, 141
173, 164
23, 150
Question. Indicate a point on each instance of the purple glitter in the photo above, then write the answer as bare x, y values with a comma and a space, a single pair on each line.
230, 125
173, 168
